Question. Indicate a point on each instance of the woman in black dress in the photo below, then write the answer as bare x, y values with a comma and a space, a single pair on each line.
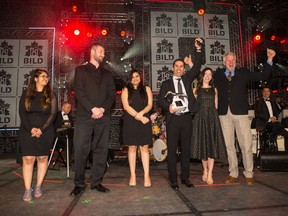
37, 110
207, 136
137, 102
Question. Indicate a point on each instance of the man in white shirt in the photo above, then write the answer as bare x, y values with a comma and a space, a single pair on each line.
266, 113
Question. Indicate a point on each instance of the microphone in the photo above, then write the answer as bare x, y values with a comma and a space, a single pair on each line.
200, 44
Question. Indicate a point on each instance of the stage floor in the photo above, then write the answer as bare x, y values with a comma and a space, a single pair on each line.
268, 196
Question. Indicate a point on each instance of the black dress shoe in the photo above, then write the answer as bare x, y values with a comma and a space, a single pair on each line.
100, 188
187, 183
174, 185
77, 190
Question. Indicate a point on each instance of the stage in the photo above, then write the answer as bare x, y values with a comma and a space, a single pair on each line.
268, 196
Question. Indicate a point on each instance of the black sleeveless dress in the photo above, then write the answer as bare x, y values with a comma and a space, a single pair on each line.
134, 131
38, 118
207, 136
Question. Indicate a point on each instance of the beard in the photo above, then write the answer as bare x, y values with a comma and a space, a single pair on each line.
99, 59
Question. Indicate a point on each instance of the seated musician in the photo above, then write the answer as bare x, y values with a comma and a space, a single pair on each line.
266, 113
64, 118
63, 125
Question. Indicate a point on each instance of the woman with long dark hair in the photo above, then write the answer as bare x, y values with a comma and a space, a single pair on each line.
137, 102
207, 136
37, 110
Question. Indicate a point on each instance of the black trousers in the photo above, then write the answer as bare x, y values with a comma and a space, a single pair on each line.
179, 130
276, 129
100, 128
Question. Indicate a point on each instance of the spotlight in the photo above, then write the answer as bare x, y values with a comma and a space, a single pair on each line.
76, 32
127, 68
89, 34
199, 6
257, 38
104, 32
128, 39
128, 2
201, 12
122, 33
74, 8
273, 38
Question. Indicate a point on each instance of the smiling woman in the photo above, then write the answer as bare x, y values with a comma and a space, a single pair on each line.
37, 110
137, 102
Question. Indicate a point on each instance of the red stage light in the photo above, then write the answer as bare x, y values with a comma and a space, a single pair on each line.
287, 88
257, 37
89, 34
76, 32
201, 12
274, 91
119, 92
74, 8
104, 32
122, 33
283, 41
273, 37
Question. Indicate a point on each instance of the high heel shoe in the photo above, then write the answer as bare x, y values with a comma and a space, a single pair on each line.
147, 183
132, 183
209, 180
38, 191
27, 197
205, 176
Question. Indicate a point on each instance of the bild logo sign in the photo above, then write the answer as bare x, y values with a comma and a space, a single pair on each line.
216, 27
4, 112
33, 54
164, 24
190, 25
6, 53
217, 50
163, 74
5, 82
164, 51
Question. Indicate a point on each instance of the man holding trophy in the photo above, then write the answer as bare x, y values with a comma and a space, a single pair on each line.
178, 103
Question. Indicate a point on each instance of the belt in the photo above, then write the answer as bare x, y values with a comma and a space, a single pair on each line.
184, 113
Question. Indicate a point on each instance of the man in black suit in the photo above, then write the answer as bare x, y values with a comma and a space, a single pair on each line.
64, 118
179, 123
95, 93
231, 83
266, 114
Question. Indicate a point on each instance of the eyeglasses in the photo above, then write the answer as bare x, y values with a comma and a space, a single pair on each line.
44, 76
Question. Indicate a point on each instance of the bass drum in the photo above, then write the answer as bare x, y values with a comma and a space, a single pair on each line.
160, 150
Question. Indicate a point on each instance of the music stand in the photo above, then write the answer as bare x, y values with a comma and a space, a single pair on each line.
60, 132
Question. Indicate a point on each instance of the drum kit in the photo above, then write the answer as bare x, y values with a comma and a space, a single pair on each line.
158, 151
